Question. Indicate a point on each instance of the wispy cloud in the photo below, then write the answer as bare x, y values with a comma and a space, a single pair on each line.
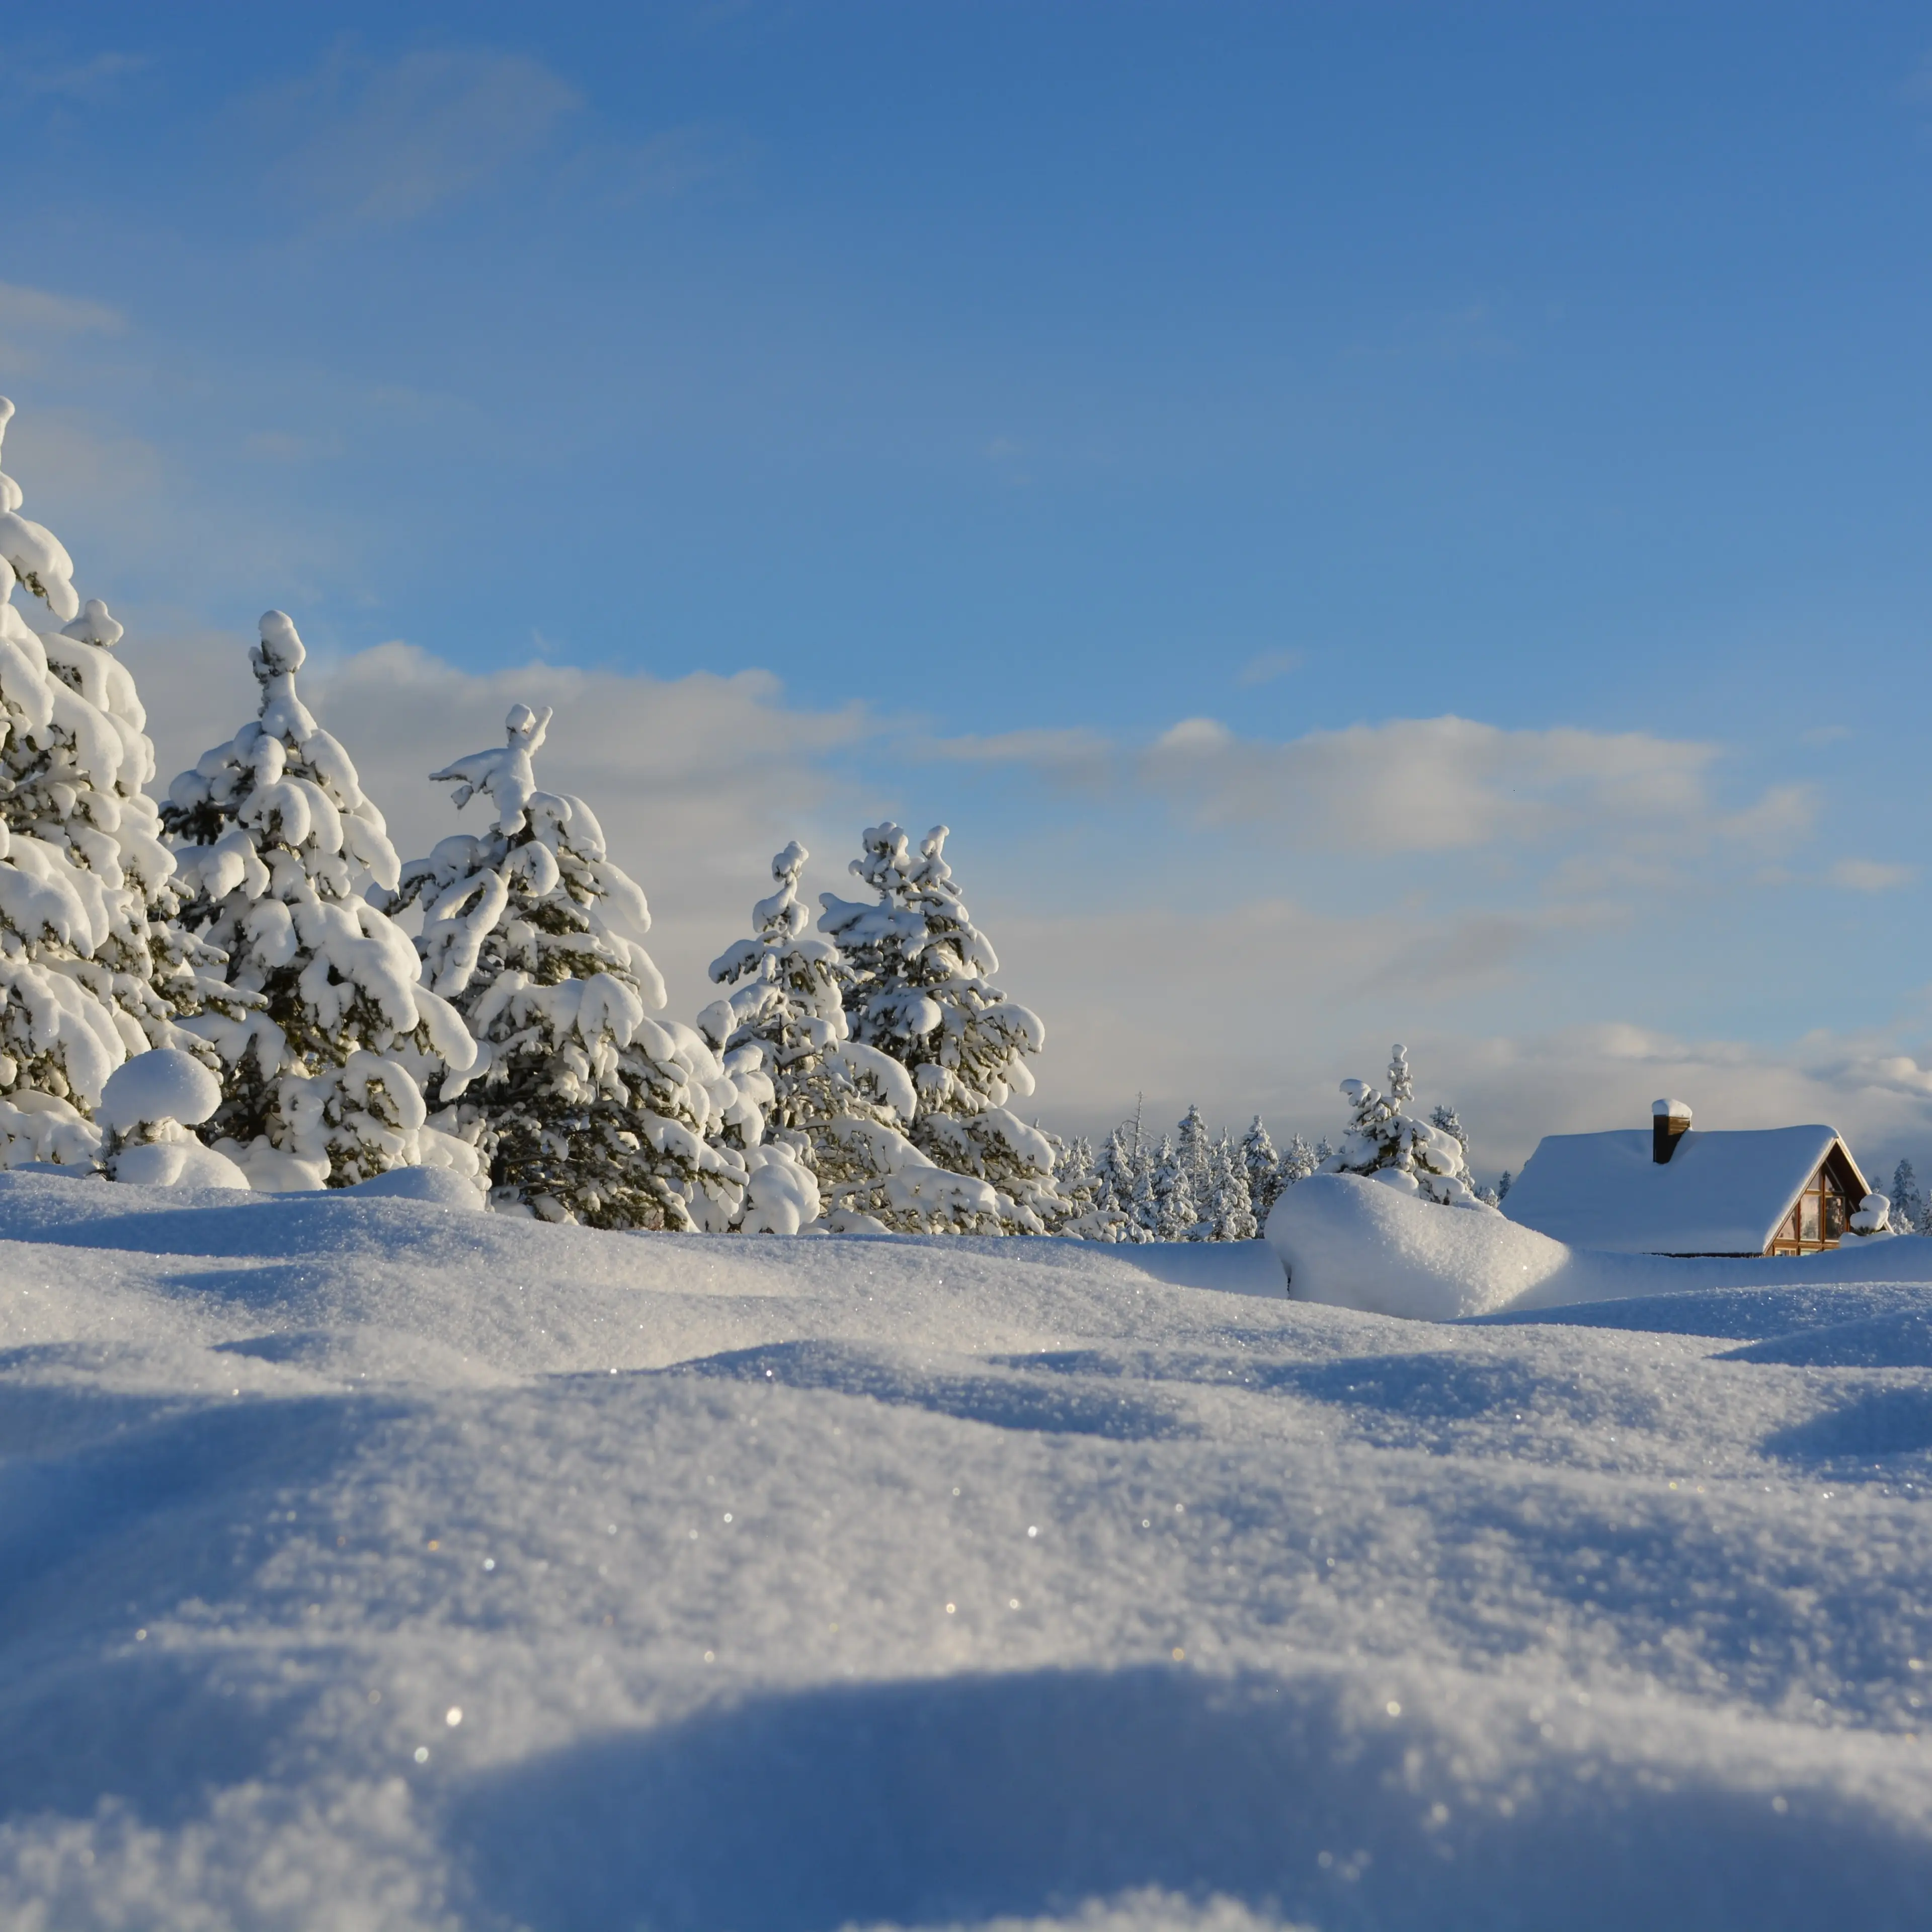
1266, 666
1870, 875
285, 446
674, 162
1630, 807
1072, 754
88, 81
41, 312
1429, 784
384, 144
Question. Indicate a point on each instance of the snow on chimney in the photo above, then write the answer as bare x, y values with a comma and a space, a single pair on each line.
1668, 1119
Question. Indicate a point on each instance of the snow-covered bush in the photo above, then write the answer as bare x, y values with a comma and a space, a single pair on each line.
1873, 1216
584, 1107
918, 989
841, 1105
279, 847
1386, 1142
147, 1108
89, 970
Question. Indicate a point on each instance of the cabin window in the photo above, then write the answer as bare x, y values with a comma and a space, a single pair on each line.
1818, 1221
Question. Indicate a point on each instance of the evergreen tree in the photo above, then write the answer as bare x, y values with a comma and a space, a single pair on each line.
1122, 1182
1445, 1118
1260, 1160
1504, 1186
918, 988
1385, 1140
278, 846
1230, 1212
1296, 1163
1175, 1210
1908, 1204
1193, 1149
90, 972
843, 1104
584, 1107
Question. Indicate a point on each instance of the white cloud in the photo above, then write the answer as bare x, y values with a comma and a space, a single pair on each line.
1072, 755
1425, 784
1631, 807
41, 312
387, 144
1266, 666
1870, 875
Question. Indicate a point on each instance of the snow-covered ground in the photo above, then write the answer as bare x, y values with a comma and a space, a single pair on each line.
367, 1562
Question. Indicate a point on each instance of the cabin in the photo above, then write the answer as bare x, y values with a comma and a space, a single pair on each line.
1676, 1191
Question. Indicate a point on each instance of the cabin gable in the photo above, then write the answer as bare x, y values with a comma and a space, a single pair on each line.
1821, 1212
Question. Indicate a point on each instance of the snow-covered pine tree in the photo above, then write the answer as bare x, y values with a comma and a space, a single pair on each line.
1908, 1204
1298, 1161
1175, 1209
918, 988
1384, 1141
1259, 1159
1192, 1146
1445, 1117
583, 1106
1123, 1183
843, 1104
1228, 1209
278, 846
89, 971
1090, 1217
1504, 1186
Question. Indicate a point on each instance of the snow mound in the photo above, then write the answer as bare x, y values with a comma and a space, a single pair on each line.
1352, 1242
164, 1084
442, 1185
183, 1163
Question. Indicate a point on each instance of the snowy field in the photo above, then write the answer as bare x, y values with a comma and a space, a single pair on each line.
367, 1563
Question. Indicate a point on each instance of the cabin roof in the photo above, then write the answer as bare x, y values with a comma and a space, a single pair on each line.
1720, 1193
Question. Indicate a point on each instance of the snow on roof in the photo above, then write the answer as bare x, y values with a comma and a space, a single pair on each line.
1721, 1193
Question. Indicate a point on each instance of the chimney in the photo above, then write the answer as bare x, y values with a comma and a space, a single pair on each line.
1669, 1119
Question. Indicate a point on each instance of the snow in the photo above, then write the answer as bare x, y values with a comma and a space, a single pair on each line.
1719, 1193
165, 1084
372, 1562
1346, 1240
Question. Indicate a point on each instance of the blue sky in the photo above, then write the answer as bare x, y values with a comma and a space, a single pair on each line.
1135, 434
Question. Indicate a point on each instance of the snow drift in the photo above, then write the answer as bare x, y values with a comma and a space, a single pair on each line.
367, 1562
